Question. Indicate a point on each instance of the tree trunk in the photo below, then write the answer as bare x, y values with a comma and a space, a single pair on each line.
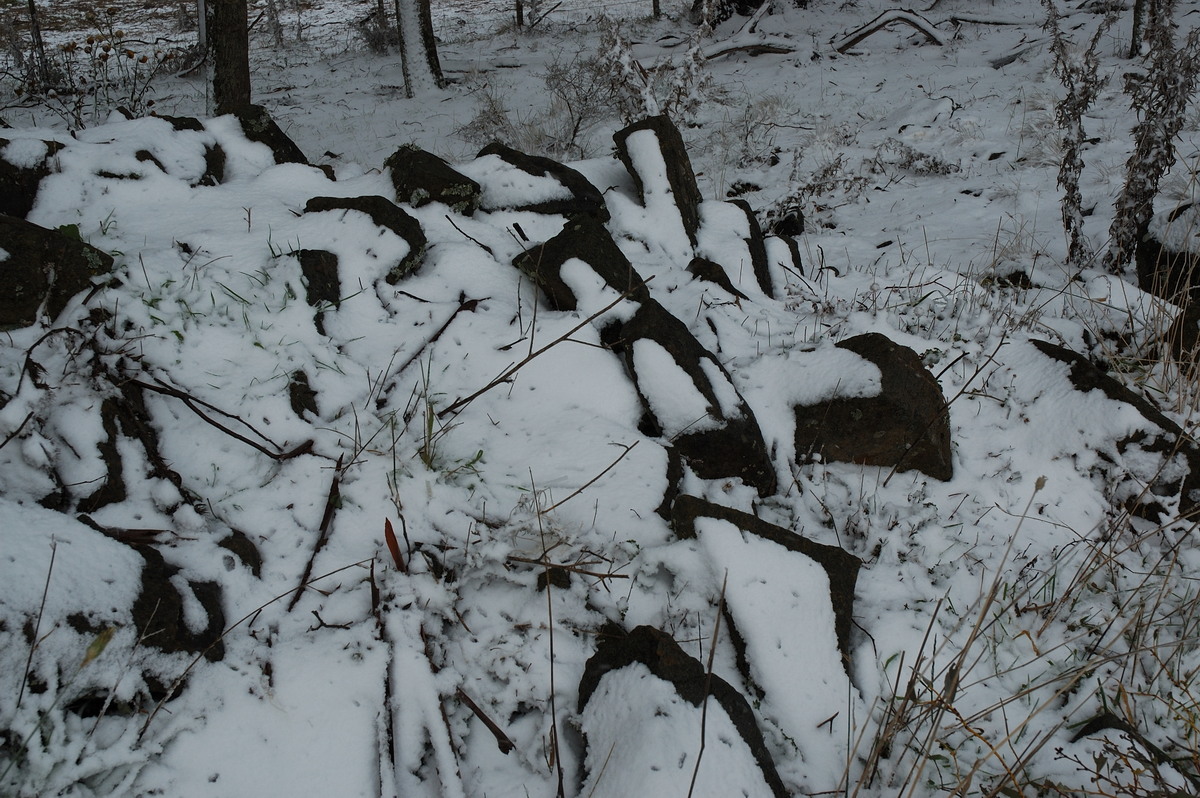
39, 48
418, 47
229, 51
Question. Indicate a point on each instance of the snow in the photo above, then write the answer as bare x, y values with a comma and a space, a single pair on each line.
356, 690
643, 736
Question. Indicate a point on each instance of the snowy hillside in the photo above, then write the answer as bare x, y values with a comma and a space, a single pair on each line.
780, 449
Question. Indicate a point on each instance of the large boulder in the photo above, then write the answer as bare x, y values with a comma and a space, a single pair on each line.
258, 126
757, 247
841, 567
421, 177
653, 152
690, 400
585, 239
1168, 255
575, 196
789, 608
904, 427
42, 269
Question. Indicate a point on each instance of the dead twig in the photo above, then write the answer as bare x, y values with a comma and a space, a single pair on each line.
331, 503
254, 612
194, 404
594, 479
708, 674
506, 745
508, 373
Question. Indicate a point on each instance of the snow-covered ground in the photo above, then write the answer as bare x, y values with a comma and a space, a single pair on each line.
995, 612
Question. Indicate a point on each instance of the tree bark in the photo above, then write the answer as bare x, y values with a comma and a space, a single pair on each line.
229, 51
418, 47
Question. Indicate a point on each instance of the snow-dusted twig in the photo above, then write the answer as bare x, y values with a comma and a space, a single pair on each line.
905, 16
175, 685
508, 373
192, 404
593, 480
708, 674
331, 503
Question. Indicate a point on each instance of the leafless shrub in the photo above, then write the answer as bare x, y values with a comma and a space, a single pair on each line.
1080, 77
1160, 96
86, 79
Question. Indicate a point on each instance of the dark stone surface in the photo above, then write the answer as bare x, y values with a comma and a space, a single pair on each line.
1169, 441
586, 199
421, 177
757, 247
43, 266
240, 545
734, 449
19, 184
680, 176
841, 566
585, 238
386, 214
301, 395
1167, 273
905, 426
112, 489
258, 126
712, 272
659, 652
321, 284
158, 611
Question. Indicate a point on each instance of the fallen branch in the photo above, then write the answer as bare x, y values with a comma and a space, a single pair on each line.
908, 17
593, 480
191, 402
331, 503
464, 304
572, 567
506, 745
750, 48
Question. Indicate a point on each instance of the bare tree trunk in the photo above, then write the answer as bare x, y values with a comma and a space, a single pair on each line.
229, 51
418, 47
1139, 27
520, 14
39, 47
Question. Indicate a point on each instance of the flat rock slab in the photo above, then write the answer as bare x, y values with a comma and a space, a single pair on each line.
789, 605
653, 152
558, 188
905, 427
421, 177
639, 701
258, 126
586, 240
1161, 459
691, 401
387, 215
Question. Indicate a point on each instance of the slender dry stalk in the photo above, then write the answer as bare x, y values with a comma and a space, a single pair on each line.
708, 674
